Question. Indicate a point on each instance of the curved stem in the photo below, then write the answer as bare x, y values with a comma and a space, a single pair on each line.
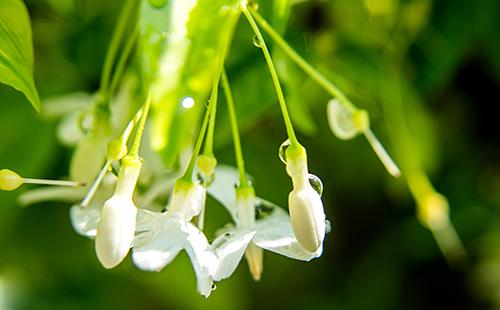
234, 128
274, 76
304, 65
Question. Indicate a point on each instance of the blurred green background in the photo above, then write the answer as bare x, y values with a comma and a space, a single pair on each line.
377, 255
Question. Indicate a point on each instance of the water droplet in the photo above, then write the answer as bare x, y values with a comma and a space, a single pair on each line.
187, 102
158, 4
282, 151
328, 226
257, 42
214, 287
316, 184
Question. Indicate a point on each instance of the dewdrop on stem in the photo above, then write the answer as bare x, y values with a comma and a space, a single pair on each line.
9, 181
348, 122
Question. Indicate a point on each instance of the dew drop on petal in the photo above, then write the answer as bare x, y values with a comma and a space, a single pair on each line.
157, 3
316, 184
282, 151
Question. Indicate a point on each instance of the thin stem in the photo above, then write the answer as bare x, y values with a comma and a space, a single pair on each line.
114, 45
234, 128
386, 160
122, 61
209, 141
308, 69
91, 193
188, 175
274, 75
54, 182
140, 130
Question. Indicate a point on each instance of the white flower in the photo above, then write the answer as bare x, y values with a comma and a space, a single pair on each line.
116, 226
306, 208
161, 236
272, 226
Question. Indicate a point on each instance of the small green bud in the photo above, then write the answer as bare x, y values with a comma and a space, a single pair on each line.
116, 150
361, 120
206, 164
9, 180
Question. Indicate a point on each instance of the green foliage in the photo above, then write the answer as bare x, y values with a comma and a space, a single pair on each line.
16, 50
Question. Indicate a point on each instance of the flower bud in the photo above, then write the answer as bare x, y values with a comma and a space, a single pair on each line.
116, 227
304, 203
206, 164
9, 180
307, 217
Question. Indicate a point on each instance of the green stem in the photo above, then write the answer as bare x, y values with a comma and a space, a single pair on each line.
274, 76
140, 130
188, 175
234, 128
122, 61
209, 141
118, 34
308, 69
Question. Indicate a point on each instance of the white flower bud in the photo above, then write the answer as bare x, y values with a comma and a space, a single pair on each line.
115, 231
307, 214
307, 217
116, 227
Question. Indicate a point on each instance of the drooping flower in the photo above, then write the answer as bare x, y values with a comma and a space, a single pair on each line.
272, 225
116, 226
161, 236
306, 208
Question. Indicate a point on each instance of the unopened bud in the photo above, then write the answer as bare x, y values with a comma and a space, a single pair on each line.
9, 180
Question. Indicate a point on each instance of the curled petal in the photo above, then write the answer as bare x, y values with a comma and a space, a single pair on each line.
161, 247
84, 220
229, 248
222, 188
274, 233
341, 120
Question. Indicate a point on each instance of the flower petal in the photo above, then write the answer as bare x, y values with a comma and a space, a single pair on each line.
162, 248
202, 258
222, 188
230, 248
84, 220
274, 233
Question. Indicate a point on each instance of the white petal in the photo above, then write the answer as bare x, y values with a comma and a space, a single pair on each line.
222, 188
162, 248
230, 248
196, 202
84, 220
341, 120
115, 231
202, 258
274, 233
307, 217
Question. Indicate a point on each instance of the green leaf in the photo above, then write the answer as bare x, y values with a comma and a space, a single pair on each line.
182, 45
16, 50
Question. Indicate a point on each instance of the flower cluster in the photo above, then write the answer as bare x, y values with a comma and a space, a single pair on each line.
126, 209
